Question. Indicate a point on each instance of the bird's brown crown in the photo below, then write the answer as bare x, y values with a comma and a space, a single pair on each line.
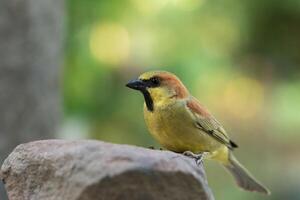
166, 84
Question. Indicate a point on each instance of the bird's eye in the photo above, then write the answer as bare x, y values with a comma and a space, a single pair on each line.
154, 81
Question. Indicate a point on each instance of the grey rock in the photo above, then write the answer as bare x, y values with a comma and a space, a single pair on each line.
92, 170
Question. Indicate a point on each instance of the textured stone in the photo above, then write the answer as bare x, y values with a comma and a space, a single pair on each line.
91, 170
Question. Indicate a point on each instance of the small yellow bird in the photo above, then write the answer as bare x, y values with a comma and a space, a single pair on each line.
181, 124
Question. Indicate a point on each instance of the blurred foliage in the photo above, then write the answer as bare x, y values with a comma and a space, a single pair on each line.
240, 58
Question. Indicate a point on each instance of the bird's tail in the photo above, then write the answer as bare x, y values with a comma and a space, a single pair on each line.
243, 178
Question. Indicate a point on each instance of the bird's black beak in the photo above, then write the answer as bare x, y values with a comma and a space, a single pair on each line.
136, 84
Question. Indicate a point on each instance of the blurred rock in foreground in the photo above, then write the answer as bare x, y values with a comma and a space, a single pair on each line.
92, 170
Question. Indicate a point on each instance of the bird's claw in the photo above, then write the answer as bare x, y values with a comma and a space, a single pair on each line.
198, 157
153, 148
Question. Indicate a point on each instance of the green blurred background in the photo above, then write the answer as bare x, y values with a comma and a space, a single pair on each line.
239, 58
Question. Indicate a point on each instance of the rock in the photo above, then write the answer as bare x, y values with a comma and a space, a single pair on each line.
92, 170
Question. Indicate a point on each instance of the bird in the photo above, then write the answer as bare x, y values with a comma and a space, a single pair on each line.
180, 123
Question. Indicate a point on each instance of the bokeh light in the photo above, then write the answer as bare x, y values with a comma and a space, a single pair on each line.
110, 43
243, 97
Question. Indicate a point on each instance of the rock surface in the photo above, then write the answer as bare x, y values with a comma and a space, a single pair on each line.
92, 170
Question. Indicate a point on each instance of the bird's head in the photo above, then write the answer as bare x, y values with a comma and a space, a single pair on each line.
159, 88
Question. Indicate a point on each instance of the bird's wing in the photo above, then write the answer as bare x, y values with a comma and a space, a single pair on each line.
206, 122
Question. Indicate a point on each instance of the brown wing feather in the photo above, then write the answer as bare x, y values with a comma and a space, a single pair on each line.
206, 122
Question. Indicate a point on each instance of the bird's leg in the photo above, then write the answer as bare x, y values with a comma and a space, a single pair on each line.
198, 157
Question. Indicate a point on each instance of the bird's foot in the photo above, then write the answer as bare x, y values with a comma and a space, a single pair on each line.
198, 157
152, 147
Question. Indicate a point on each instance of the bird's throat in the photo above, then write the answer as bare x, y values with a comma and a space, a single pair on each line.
148, 100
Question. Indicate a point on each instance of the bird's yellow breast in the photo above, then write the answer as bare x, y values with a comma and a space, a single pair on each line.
174, 128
